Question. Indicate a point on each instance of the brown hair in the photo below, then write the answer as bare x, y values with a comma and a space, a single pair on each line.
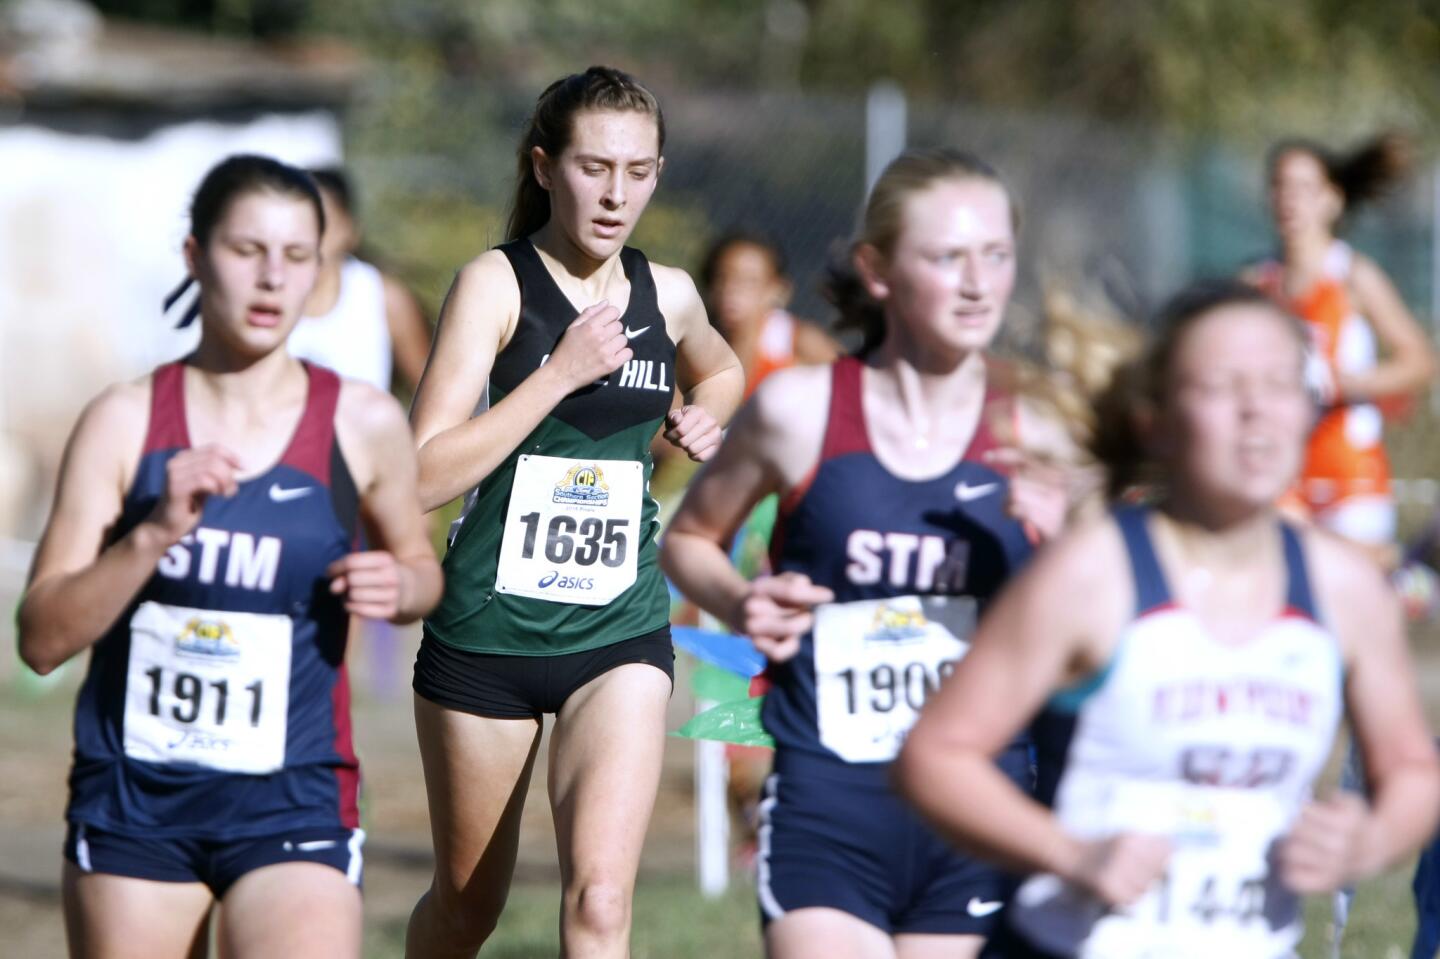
553, 122
231, 178
737, 237
1364, 173
908, 174
1140, 384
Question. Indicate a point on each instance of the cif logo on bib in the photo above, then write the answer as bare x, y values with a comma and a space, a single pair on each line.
582, 486
892, 625
1197, 823
207, 639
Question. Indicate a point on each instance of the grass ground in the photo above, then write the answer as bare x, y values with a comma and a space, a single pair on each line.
671, 919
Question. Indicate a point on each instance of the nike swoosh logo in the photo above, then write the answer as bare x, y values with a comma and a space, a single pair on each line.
280, 494
979, 908
631, 334
314, 845
964, 492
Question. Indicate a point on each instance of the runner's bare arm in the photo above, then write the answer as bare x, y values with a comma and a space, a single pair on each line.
1408, 362
409, 333
77, 585
399, 578
1340, 840
1038, 637
771, 447
708, 371
457, 447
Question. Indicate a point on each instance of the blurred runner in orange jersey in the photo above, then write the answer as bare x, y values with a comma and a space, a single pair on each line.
1354, 315
1369, 352
746, 283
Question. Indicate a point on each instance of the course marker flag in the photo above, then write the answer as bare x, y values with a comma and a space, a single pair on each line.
735, 653
718, 685
736, 722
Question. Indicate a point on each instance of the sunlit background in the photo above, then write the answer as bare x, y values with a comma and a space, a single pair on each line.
1132, 132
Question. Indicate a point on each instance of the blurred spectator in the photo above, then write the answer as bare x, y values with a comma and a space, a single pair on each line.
366, 325
358, 321
748, 290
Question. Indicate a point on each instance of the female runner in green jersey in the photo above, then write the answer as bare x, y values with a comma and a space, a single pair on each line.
554, 365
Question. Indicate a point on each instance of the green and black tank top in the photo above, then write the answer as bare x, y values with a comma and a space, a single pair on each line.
612, 419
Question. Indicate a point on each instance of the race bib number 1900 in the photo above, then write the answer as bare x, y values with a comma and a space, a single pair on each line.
876, 662
573, 529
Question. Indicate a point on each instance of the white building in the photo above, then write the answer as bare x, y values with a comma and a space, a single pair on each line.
105, 130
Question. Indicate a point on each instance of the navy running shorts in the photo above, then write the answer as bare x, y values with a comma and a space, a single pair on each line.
219, 864
837, 836
1008, 944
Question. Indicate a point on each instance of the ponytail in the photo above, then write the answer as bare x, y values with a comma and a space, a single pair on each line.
845, 290
1366, 173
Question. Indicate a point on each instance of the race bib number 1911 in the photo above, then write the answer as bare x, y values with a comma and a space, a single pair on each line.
208, 688
573, 529
876, 662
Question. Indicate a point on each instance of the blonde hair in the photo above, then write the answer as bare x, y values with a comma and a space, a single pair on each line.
910, 173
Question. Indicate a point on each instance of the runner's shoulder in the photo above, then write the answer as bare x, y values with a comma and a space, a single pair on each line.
793, 403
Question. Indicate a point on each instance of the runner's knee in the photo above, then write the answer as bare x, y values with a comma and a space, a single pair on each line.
600, 907
463, 916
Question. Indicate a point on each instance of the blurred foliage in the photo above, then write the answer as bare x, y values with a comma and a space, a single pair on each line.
1192, 64
427, 237
674, 233
432, 129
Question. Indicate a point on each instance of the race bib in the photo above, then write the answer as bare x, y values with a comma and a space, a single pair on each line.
876, 662
1217, 896
572, 532
208, 688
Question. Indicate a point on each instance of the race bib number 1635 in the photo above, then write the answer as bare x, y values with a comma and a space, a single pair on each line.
572, 531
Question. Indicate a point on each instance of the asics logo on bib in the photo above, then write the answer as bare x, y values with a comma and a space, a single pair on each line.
553, 578
912, 561
249, 563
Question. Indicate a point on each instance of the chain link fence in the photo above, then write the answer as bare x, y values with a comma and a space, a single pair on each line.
1127, 212
1132, 210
